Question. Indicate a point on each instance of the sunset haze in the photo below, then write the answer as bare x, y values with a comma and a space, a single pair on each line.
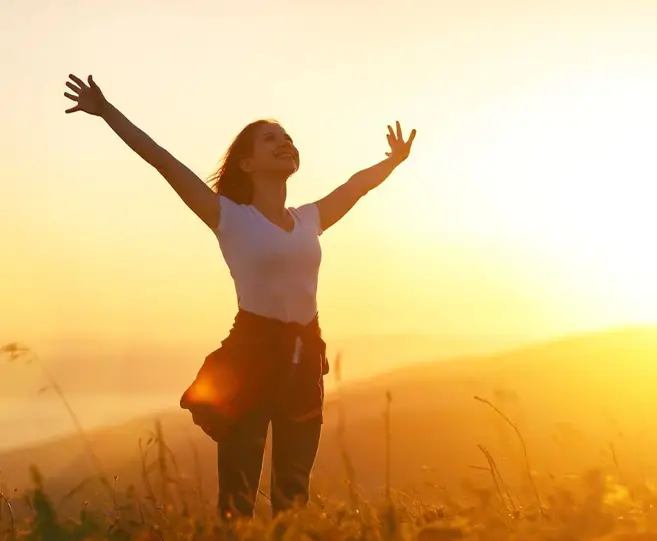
525, 212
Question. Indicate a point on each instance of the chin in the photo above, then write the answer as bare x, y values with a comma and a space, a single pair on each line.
288, 170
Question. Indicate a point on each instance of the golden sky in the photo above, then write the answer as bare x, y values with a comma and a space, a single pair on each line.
525, 210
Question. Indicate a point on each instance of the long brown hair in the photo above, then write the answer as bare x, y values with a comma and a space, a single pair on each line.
230, 180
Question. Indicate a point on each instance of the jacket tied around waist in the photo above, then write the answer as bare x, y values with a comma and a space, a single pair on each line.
263, 362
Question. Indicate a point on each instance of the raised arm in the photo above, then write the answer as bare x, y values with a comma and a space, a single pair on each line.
341, 200
197, 195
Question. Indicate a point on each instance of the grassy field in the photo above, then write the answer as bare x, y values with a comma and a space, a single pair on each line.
506, 495
595, 505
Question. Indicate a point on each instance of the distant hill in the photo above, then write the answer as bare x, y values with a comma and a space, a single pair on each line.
578, 402
95, 367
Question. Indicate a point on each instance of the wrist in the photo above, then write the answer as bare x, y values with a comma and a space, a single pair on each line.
105, 109
394, 162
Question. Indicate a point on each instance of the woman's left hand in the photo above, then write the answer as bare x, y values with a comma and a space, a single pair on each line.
399, 149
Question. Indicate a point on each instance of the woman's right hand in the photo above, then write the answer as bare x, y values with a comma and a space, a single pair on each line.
88, 98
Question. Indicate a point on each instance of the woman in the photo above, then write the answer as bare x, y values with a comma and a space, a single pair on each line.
271, 366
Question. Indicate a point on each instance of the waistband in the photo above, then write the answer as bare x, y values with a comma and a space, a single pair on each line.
249, 322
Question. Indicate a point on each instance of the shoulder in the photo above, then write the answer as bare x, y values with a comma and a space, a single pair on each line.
308, 215
230, 213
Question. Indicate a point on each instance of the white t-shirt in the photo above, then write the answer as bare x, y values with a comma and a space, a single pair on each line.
275, 271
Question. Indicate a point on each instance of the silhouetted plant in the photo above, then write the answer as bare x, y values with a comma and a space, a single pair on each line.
15, 351
524, 448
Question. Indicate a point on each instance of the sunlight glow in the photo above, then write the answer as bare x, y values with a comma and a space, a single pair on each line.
569, 170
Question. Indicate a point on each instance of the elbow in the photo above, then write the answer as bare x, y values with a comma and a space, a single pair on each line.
162, 161
356, 187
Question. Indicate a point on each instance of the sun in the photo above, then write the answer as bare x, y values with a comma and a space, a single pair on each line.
576, 172
566, 171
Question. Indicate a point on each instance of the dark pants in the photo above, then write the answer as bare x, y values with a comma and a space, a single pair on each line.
240, 456
254, 379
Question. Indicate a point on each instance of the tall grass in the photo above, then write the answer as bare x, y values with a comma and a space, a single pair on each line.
171, 505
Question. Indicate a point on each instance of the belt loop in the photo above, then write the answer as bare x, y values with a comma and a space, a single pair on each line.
297, 350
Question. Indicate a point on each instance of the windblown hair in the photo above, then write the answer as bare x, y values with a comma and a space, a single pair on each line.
230, 180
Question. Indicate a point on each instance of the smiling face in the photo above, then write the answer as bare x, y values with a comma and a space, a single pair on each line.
273, 152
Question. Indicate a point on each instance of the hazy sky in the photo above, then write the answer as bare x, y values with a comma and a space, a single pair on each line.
526, 208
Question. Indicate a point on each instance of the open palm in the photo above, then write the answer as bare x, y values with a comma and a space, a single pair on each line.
399, 149
88, 97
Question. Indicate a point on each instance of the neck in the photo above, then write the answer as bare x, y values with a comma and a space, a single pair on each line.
269, 195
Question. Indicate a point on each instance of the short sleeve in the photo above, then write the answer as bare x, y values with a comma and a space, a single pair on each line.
309, 215
229, 211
